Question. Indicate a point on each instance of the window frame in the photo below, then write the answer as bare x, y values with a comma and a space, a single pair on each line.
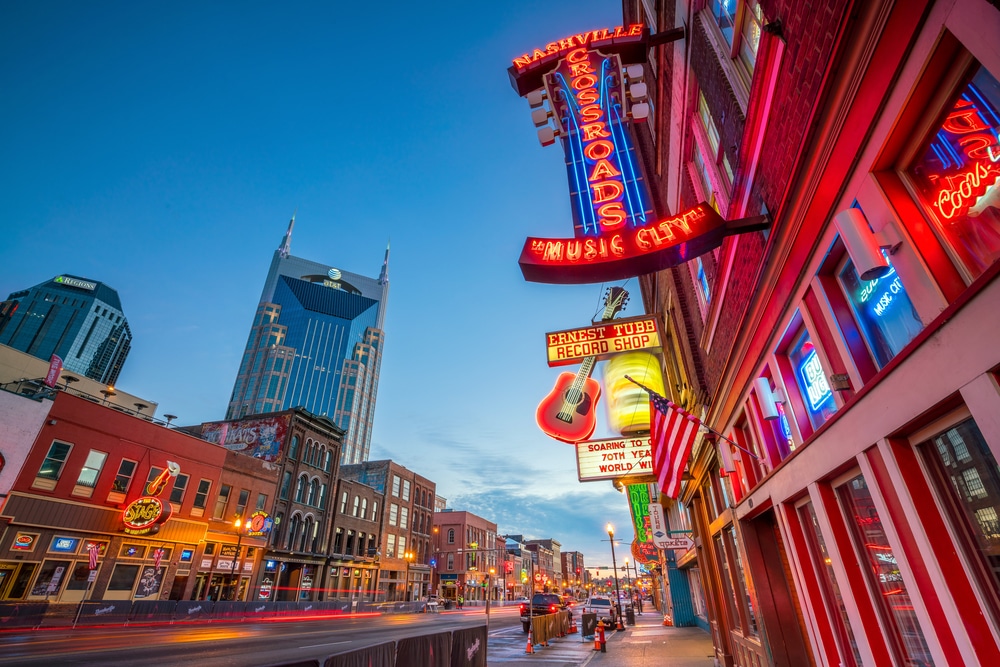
49, 480
83, 488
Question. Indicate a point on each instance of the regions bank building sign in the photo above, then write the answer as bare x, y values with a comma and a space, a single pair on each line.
587, 90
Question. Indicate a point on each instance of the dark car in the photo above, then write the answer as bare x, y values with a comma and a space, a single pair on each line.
541, 604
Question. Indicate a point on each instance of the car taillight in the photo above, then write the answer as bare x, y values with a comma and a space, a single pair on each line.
522, 608
552, 608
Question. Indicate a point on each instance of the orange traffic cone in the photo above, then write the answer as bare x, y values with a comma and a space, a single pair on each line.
572, 625
667, 620
531, 648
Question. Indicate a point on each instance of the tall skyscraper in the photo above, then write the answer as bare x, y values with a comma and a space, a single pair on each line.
316, 343
80, 320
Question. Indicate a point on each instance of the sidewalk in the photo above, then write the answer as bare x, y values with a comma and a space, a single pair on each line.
649, 644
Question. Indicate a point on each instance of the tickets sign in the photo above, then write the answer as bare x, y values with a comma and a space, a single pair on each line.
613, 458
604, 340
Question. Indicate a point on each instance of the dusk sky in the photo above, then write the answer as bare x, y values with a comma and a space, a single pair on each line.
161, 148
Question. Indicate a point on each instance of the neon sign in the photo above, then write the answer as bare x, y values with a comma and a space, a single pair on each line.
143, 516
814, 381
601, 341
553, 49
617, 234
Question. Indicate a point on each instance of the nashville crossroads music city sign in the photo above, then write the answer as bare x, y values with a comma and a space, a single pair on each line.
616, 232
602, 341
613, 458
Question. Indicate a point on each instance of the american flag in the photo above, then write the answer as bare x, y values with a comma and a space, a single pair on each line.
94, 550
672, 433
157, 555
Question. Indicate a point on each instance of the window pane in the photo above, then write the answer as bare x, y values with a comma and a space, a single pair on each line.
892, 596
201, 497
723, 12
753, 17
124, 476
180, 486
746, 584
957, 172
53, 463
91, 468
123, 578
816, 393
831, 590
972, 479
883, 310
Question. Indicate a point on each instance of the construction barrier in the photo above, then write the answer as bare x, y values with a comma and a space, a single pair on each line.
23, 615
468, 647
550, 626
380, 655
424, 651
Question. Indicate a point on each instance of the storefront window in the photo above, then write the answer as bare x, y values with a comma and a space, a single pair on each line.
883, 310
971, 479
745, 584
835, 601
816, 393
956, 174
697, 593
877, 555
727, 582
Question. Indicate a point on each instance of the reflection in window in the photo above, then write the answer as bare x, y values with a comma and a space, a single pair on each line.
746, 584
831, 590
724, 11
968, 474
883, 310
891, 594
956, 174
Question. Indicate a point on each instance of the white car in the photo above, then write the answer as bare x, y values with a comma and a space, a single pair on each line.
602, 607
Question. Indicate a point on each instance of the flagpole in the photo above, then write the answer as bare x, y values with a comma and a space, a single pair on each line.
685, 412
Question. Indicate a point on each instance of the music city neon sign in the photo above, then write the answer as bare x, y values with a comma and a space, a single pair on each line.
616, 232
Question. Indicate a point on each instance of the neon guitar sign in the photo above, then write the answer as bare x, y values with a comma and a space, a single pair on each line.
592, 101
567, 413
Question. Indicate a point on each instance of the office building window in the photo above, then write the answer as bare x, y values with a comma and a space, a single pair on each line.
261, 501
406, 489
393, 514
395, 486
390, 546
241, 502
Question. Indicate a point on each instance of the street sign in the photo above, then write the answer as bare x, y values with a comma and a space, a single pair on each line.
676, 542
658, 526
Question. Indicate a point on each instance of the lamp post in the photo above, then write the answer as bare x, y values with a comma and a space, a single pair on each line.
489, 594
238, 523
108, 393
614, 567
407, 556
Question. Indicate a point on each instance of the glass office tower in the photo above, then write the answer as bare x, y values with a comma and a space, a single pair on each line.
78, 319
315, 343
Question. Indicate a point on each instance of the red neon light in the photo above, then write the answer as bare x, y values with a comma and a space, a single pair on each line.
965, 190
669, 242
554, 49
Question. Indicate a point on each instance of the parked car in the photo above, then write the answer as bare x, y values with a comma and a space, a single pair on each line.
540, 605
602, 607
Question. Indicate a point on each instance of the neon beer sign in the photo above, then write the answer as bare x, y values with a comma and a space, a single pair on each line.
616, 231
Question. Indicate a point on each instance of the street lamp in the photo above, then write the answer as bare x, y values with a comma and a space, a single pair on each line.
108, 393
489, 594
614, 567
238, 523
407, 556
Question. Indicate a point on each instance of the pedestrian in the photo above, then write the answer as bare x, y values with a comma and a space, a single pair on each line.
460, 601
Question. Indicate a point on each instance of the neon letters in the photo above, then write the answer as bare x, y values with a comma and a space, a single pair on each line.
553, 49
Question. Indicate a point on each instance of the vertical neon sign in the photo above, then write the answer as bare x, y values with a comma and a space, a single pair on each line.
607, 190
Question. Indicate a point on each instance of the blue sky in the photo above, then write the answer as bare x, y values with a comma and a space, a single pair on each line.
162, 147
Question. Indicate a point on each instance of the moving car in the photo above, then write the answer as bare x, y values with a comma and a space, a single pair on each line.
541, 604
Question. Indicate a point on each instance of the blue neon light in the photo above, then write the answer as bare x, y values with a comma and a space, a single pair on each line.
814, 382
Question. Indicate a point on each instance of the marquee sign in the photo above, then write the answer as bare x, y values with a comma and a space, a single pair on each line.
592, 99
613, 458
602, 341
144, 516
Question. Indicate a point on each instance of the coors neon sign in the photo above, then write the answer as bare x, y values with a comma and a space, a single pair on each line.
617, 234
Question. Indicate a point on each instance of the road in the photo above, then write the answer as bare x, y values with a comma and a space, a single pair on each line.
239, 644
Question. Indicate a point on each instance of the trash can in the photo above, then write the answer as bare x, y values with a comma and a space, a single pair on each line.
629, 616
